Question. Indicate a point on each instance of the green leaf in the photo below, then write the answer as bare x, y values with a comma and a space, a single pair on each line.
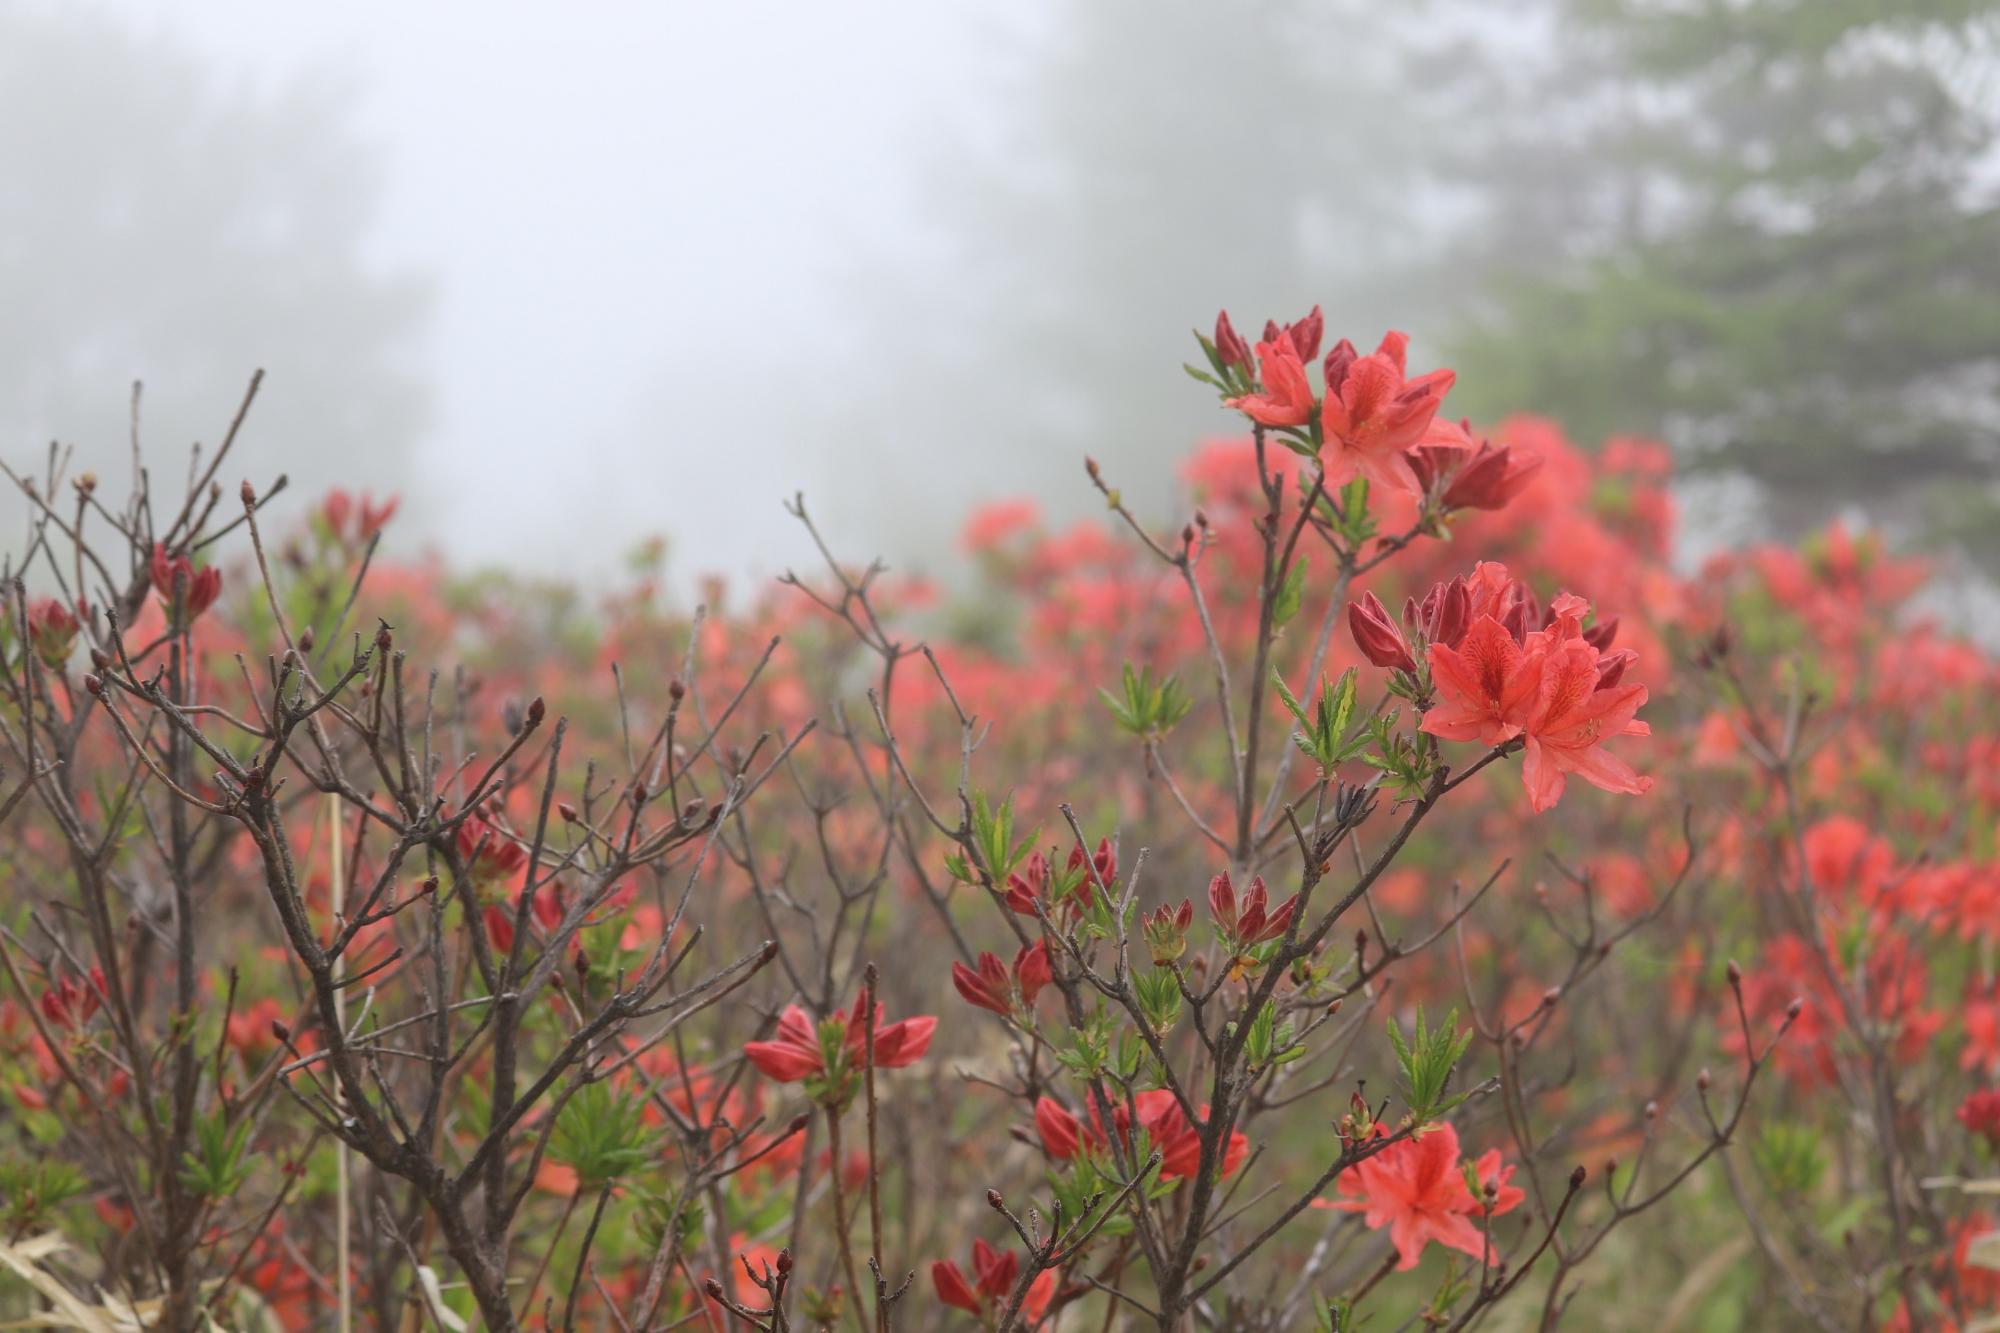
214, 1167
993, 837
1427, 1060
601, 1134
1290, 594
1323, 733
1148, 708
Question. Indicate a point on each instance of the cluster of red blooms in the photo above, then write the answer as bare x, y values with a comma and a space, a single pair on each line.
1372, 415
1159, 1113
1906, 749
1035, 885
1373, 419
69, 1002
1556, 689
492, 858
993, 986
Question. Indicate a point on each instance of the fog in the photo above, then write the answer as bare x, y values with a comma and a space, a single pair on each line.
566, 279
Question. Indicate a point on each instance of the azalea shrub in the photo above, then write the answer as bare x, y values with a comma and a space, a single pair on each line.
1386, 891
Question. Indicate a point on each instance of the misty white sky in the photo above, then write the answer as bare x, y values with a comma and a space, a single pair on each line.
639, 220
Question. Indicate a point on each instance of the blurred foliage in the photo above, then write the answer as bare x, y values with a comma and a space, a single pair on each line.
1765, 229
167, 225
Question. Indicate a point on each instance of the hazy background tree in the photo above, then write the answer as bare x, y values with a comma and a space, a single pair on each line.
1763, 229
155, 226
936, 259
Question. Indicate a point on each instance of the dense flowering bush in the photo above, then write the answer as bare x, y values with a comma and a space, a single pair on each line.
1184, 927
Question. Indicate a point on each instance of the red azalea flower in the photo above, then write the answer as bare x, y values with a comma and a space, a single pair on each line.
1285, 398
69, 1002
1374, 416
1487, 686
1575, 712
796, 1053
491, 857
1493, 591
546, 912
1179, 1141
1416, 1188
994, 1273
1980, 1114
1167, 1128
993, 987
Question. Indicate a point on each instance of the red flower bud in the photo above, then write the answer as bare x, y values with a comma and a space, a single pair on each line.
1443, 616
1165, 929
1229, 345
1247, 922
953, 1289
1305, 334
985, 988
1032, 971
1060, 1132
52, 631
1338, 362
1104, 861
1489, 479
1377, 636
184, 589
